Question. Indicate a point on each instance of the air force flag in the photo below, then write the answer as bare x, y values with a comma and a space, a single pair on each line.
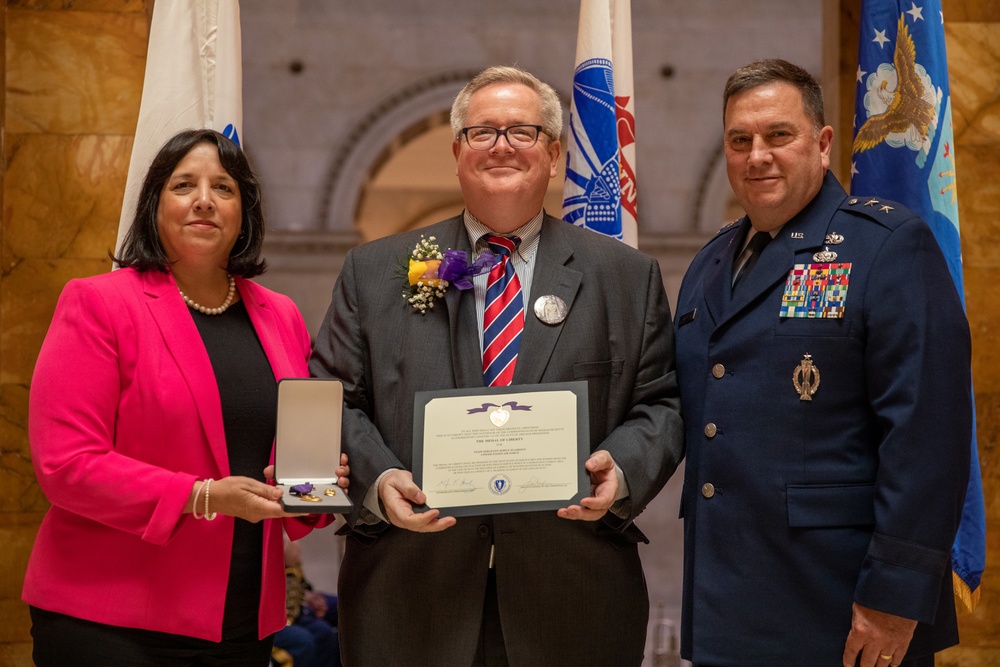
599, 192
904, 149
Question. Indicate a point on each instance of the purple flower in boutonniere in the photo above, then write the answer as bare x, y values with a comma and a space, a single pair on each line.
455, 267
429, 272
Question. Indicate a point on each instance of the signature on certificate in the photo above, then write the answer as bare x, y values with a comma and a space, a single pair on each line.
535, 483
457, 485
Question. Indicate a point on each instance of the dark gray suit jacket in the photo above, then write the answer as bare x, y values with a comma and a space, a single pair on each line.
570, 592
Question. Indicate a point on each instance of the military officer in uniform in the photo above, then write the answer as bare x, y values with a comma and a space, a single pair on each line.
824, 358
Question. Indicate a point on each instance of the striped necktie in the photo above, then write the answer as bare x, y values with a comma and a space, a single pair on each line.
503, 320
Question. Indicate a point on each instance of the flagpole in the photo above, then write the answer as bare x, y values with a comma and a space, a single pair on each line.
621, 56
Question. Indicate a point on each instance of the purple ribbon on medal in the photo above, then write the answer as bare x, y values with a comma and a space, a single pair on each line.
299, 489
456, 270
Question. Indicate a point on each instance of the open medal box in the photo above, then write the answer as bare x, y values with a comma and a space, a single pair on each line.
307, 446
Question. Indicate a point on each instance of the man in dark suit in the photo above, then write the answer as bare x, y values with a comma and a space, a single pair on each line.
827, 397
558, 587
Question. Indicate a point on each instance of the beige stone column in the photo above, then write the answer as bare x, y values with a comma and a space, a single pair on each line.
72, 80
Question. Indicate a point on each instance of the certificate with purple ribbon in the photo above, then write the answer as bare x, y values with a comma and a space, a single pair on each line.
502, 449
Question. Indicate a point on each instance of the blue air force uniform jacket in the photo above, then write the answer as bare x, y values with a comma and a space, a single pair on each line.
828, 423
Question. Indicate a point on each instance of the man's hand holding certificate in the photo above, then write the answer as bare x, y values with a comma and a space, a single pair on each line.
399, 494
604, 480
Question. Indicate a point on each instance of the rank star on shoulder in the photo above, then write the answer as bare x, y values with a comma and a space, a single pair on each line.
871, 202
886, 208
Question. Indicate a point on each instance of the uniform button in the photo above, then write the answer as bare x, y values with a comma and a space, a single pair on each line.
484, 530
711, 430
718, 371
708, 490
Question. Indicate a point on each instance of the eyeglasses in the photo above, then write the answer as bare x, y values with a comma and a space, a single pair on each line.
484, 137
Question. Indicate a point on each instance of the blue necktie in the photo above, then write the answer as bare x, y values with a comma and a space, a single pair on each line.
756, 247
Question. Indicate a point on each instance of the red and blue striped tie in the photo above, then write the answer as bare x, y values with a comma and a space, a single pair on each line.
503, 320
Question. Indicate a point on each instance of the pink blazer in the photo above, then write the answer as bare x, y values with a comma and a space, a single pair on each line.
124, 417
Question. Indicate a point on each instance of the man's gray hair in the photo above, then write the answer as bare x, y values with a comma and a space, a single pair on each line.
551, 106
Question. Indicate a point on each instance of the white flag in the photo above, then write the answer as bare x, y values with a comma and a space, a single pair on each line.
600, 190
194, 79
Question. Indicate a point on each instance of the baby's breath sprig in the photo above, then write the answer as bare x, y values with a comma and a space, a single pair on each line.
423, 284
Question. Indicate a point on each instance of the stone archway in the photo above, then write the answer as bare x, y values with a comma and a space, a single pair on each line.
383, 130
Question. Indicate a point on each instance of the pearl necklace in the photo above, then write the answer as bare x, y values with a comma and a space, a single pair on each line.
212, 311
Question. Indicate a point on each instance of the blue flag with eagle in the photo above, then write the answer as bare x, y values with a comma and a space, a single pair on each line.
904, 149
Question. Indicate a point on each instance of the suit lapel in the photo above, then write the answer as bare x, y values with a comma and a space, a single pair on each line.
551, 277
719, 277
183, 341
463, 330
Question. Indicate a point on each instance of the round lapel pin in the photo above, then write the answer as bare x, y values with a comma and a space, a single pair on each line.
550, 309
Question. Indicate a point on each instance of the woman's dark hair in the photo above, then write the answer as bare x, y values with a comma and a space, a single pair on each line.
142, 248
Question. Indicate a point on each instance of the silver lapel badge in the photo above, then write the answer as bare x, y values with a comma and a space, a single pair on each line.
551, 309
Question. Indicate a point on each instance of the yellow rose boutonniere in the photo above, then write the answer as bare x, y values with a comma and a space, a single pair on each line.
429, 272
423, 283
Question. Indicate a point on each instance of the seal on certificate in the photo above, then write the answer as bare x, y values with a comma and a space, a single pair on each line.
500, 484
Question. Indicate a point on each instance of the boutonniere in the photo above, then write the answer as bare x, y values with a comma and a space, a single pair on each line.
430, 271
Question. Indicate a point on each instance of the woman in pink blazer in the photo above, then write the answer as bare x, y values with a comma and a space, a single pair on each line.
151, 421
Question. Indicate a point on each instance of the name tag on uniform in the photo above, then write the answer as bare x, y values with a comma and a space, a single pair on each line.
816, 291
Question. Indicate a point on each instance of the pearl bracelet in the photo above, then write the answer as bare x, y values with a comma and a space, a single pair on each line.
194, 503
209, 516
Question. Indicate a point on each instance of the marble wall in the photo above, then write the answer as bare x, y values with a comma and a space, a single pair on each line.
73, 73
